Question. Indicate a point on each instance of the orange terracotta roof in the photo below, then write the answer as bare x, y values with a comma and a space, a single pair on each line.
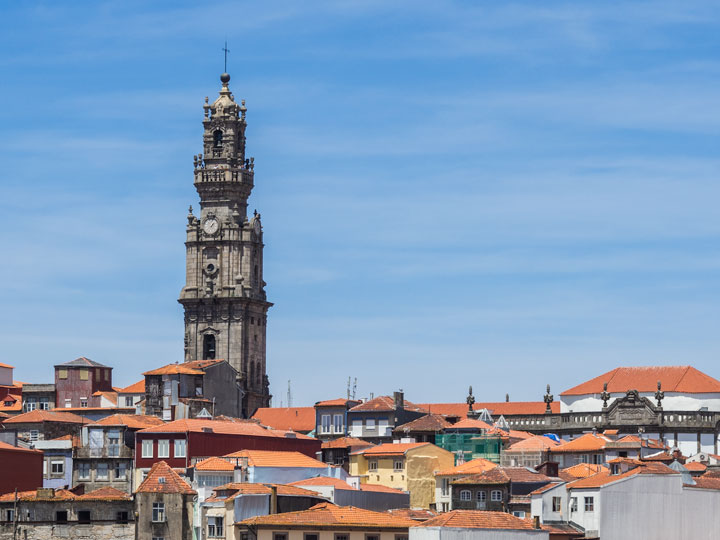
536, 442
329, 515
477, 519
682, 379
59, 494
300, 419
645, 443
477, 465
112, 397
385, 403
75, 440
588, 442
345, 442
15, 403
340, 402
469, 423
273, 458
136, 388
245, 488
604, 478
391, 449
416, 514
429, 422
162, 479
175, 369
132, 421
199, 425
323, 481
696, 466
106, 494
503, 475
38, 415
214, 464
6, 366
545, 488
9, 447
583, 470
706, 482
505, 408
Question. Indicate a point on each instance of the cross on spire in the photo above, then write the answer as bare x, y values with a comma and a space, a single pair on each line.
226, 50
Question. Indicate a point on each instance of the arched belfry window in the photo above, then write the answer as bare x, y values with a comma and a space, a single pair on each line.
209, 347
217, 138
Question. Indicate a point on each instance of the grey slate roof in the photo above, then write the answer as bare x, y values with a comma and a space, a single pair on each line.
82, 362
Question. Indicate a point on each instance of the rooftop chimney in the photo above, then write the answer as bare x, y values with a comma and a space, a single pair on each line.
399, 398
536, 522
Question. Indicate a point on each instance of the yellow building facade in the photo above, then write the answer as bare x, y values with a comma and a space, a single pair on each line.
405, 466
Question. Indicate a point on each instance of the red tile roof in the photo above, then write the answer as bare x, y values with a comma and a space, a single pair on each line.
105, 494
603, 478
328, 515
272, 458
214, 464
385, 403
5, 447
695, 466
162, 479
588, 442
340, 402
706, 482
505, 408
469, 423
682, 379
503, 475
38, 416
346, 442
132, 421
112, 397
429, 422
199, 425
6, 366
300, 419
477, 519
534, 443
136, 388
583, 470
474, 466
378, 488
391, 449
323, 481
416, 514
15, 403
246, 488
545, 488
34, 496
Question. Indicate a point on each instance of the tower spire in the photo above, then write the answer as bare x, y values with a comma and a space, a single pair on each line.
226, 51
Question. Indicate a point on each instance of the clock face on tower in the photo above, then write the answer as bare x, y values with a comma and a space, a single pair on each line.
211, 226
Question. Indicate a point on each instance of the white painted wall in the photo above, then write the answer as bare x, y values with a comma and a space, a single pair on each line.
590, 520
541, 505
452, 533
673, 401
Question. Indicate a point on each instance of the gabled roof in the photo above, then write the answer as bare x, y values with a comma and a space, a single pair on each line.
477, 519
547, 487
346, 442
196, 367
329, 515
199, 425
132, 421
477, 465
505, 408
82, 362
385, 403
214, 464
38, 416
323, 481
469, 423
33, 495
429, 422
379, 488
582, 470
273, 458
635, 440
587, 442
604, 478
536, 442
681, 379
15, 403
162, 479
234, 489
6, 366
391, 449
503, 475
695, 466
300, 419
112, 397
135, 388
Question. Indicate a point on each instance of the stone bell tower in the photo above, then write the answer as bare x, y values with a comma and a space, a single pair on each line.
224, 295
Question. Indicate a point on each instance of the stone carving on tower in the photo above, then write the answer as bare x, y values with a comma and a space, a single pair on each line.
224, 295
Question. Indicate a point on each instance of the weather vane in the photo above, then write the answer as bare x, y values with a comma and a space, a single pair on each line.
226, 50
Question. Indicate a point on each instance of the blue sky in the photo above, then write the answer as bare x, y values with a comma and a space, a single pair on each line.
502, 194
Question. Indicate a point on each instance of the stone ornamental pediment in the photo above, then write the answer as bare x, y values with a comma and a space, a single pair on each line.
632, 409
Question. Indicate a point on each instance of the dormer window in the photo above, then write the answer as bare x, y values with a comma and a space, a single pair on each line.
218, 138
